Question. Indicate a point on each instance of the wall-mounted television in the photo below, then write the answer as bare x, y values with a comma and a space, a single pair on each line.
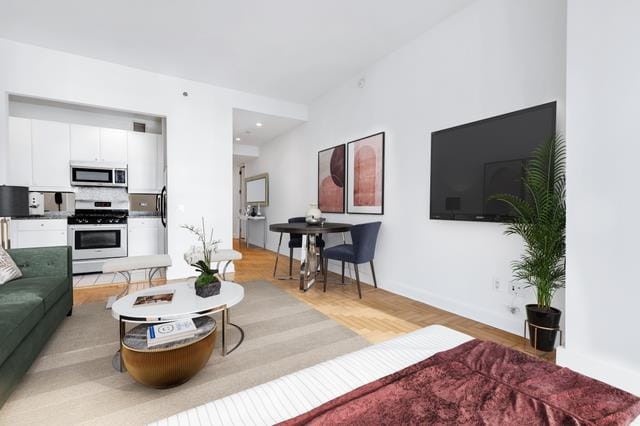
472, 162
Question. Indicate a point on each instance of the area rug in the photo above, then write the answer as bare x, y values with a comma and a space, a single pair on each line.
73, 380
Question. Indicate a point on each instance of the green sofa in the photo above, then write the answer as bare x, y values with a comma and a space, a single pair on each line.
31, 309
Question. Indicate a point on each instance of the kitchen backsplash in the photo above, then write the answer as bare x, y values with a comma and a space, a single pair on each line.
101, 194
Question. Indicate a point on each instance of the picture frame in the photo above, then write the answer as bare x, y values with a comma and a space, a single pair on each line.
332, 179
365, 175
256, 190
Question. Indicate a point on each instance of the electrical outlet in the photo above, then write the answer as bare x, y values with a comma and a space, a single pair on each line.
496, 284
515, 288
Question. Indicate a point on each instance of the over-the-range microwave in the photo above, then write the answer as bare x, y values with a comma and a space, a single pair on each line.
98, 174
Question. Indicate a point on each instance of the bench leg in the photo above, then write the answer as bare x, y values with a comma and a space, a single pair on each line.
224, 270
112, 299
152, 272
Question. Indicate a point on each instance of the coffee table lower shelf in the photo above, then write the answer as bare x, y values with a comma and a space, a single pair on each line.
170, 364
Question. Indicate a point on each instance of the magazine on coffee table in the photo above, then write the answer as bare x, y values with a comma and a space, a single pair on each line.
167, 332
154, 299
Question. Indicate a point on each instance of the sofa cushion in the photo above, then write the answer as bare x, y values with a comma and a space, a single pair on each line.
8, 269
48, 289
19, 314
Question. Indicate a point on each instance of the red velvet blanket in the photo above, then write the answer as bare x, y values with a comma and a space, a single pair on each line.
479, 383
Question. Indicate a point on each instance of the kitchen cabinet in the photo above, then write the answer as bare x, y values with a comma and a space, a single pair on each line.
146, 236
145, 163
90, 143
113, 145
85, 143
26, 233
50, 154
19, 169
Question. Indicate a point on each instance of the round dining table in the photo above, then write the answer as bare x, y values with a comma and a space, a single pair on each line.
308, 257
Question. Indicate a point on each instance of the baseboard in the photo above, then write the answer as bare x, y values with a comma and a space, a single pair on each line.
599, 369
485, 316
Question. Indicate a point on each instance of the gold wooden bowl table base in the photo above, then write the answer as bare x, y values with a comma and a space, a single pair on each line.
170, 364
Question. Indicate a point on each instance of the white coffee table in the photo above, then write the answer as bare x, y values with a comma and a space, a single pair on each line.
185, 304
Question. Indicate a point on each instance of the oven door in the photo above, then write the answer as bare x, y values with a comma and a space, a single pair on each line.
98, 241
90, 176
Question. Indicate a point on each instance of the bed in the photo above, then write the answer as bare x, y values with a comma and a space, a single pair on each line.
324, 389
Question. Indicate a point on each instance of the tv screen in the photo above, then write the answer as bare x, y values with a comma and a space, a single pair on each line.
472, 162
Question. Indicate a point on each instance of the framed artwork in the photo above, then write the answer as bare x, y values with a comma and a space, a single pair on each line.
365, 175
331, 182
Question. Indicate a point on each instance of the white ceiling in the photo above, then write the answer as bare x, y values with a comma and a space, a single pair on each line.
290, 49
245, 128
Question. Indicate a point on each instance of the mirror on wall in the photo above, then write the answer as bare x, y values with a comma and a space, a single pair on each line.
257, 189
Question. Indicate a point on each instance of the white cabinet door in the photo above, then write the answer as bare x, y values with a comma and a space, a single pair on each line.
146, 236
143, 162
84, 142
113, 145
19, 164
38, 233
50, 153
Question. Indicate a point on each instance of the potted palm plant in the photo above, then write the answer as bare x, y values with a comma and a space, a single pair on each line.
540, 220
208, 283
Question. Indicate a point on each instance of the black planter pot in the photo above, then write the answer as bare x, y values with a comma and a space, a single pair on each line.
208, 290
545, 339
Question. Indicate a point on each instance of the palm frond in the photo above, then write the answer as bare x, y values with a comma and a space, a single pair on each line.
541, 221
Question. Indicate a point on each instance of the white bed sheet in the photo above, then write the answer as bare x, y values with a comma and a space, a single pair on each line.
297, 393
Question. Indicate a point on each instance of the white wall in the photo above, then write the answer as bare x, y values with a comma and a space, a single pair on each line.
603, 88
199, 127
67, 113
493, 57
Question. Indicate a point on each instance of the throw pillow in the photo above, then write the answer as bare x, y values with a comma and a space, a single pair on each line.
8, 268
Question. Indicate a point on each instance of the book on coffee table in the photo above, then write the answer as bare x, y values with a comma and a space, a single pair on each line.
168, 332
154, 299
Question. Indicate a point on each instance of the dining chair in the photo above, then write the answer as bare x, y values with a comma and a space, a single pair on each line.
295, 241
362, 250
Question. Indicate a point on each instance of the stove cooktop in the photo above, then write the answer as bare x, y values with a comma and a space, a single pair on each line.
98, 217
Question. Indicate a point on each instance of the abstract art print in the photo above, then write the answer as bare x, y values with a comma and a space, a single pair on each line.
365, 175
331, 181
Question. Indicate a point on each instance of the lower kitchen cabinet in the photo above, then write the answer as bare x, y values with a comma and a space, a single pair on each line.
146, 236
26, 233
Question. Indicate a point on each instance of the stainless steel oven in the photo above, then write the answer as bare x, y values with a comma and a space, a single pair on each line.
97, 231
97, 241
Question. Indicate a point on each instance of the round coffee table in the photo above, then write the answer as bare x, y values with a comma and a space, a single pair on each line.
185, 304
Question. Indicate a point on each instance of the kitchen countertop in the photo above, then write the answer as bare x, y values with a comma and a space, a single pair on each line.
136, 215
45, 217
143, 215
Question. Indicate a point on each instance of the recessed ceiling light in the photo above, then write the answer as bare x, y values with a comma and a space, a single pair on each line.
237, 139
259, 124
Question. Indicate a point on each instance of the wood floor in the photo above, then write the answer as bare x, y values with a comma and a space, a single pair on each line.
378, 316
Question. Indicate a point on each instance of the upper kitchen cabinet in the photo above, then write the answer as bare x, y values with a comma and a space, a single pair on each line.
85, 143
113, 145
90, 143
50, 154
145, 163
19, 168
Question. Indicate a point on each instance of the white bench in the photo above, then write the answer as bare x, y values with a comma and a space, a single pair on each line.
219, 256
125, 265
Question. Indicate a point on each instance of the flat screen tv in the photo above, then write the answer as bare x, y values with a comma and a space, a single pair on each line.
472, 162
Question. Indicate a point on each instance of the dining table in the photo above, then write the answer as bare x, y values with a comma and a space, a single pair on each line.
309, 254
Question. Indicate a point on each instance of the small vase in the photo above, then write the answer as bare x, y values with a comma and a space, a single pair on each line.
313, 215
208, 290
